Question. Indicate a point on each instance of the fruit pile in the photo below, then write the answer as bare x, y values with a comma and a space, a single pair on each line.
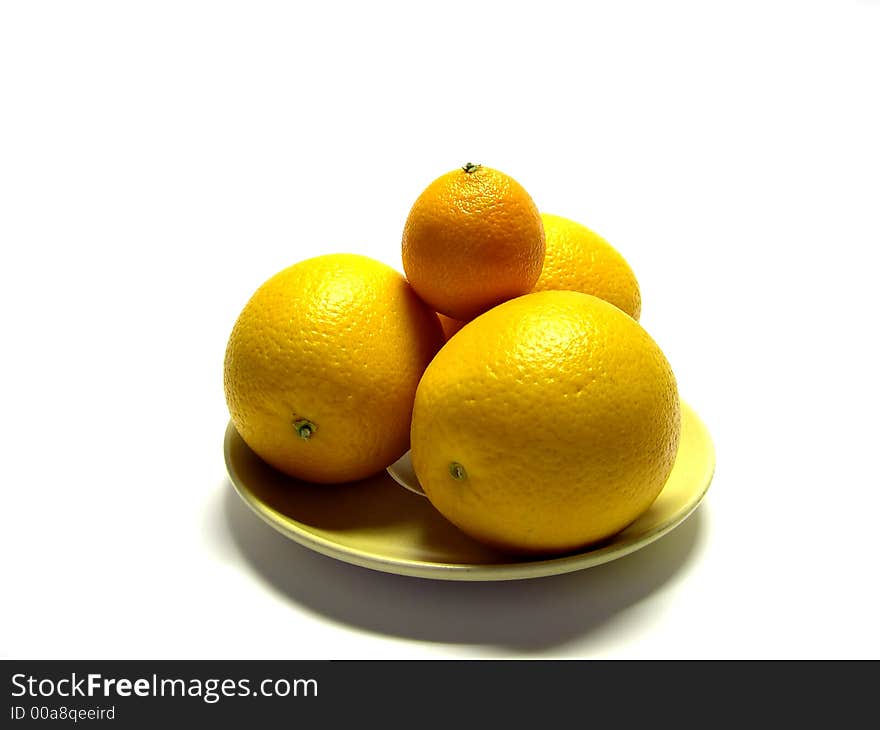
541, 417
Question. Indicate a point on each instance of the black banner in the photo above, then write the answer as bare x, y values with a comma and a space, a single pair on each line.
149, 693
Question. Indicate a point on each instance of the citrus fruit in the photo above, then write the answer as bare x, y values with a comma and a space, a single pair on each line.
578, 259
546, 424
450, 326
322, 366
473, 239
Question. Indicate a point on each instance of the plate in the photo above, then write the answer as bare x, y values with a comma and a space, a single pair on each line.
375, 523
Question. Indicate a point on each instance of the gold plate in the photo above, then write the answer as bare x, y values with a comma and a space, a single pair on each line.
377, 524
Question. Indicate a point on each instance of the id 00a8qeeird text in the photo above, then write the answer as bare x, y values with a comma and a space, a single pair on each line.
73, 714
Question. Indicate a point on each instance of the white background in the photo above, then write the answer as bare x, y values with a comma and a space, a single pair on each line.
159, 160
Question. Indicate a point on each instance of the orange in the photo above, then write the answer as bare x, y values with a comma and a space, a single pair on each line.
546, 424
450, 326
578, 259
473, 239
322, 366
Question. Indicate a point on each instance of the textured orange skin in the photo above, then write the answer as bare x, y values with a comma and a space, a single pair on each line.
340, 341
564, 415
471, 241
578, 259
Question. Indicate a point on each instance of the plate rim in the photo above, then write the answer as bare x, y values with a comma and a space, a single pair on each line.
436, 570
